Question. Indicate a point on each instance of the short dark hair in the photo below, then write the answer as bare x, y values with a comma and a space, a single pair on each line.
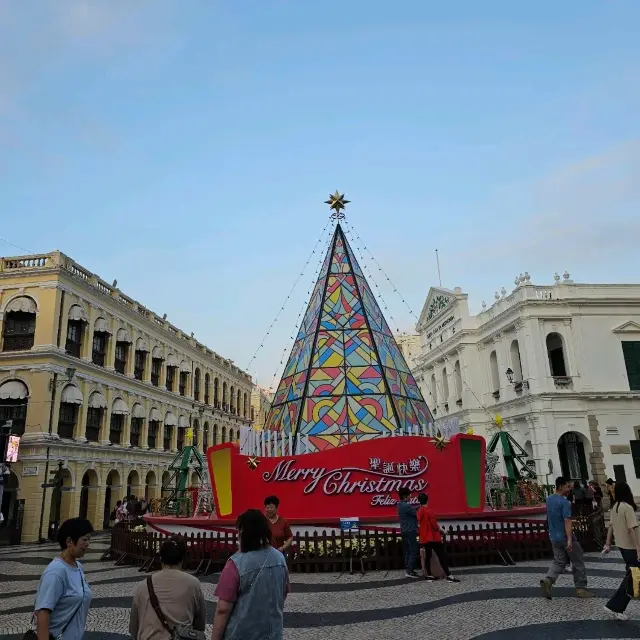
73, 529
253, 529
274, 500
423, 498
610, 481
404, 493
173, 551
561, 481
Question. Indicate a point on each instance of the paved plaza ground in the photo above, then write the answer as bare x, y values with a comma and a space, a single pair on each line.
491, 603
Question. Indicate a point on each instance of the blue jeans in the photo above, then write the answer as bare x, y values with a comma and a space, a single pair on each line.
410, 547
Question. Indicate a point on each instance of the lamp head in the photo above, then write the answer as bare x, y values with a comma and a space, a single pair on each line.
70, 372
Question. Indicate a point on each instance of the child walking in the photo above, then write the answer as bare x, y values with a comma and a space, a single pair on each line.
430, 540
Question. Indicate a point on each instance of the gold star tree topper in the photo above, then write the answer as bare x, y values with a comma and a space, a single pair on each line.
337, 203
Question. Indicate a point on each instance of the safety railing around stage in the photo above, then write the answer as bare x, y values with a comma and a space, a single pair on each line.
371, 549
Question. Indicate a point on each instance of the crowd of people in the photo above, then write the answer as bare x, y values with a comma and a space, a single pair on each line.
254, 583
623, 527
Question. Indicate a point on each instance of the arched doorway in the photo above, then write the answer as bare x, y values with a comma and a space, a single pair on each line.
9, 495
112, 494
133, 484
150, 486
88, 494
165, 479
60, 509
573, 449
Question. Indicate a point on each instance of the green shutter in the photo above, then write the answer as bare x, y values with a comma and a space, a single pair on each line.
631, 352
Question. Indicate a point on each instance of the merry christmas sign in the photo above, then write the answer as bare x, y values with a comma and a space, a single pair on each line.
360, 479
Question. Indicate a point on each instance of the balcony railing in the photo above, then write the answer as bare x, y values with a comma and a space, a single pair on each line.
73, 348
21, 342
92, 434
97, 358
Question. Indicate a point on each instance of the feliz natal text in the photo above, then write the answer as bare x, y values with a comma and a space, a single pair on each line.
391, 477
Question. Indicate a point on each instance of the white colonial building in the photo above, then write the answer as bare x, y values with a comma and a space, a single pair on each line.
559, 363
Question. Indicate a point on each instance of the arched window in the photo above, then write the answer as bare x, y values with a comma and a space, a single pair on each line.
516, 363
434, 390
555, 351
225, 397
19, 324
231, 435
216, 393
232, 399
195, 431
215, 435
207, 388
118, 412
70, 401
77, 320
457, 382
495, 376
95, 413
101, 334
14, 398
224, 434
196, 385
239, 402
445, 385
253, 414
205, 436
245, 405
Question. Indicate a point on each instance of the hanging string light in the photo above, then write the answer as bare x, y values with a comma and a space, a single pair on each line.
357, 241
289, 345
284, 304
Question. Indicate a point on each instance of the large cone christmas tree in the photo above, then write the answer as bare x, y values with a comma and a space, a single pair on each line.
346, 379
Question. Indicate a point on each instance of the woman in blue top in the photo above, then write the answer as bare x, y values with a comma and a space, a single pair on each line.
63, 597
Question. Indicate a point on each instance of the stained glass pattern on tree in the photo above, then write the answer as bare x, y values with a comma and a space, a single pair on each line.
389, 352
324, 421
358, 349
362, 380
406, 414
342, 308
326, 381
310, 320
410, 386
359, 385
339, 260
395, 382
374, 314
329, 349
371, 415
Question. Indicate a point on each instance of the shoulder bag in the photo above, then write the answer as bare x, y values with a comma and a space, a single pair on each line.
179, 632
32, 634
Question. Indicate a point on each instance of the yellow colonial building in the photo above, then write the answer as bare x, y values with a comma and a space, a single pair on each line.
260, 405
100, 390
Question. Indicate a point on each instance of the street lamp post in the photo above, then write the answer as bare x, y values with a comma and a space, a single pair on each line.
53, 385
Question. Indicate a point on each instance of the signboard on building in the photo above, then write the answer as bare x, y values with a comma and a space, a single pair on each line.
29, 471
361, 478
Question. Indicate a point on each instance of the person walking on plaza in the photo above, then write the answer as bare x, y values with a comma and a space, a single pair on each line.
64, 597
407, 514
624, 528
281, 534
253, 586
566, 548
611, 491
430, 539
170, 601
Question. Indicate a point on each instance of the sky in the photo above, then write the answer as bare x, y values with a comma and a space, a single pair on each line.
186, 148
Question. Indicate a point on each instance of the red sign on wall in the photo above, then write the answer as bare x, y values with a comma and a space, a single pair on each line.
360, 479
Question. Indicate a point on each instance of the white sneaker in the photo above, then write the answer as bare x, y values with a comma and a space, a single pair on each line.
615, 614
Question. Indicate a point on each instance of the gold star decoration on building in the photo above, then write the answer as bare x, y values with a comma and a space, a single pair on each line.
253, 462
337, 204
470, 431
498, 421
440, 442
